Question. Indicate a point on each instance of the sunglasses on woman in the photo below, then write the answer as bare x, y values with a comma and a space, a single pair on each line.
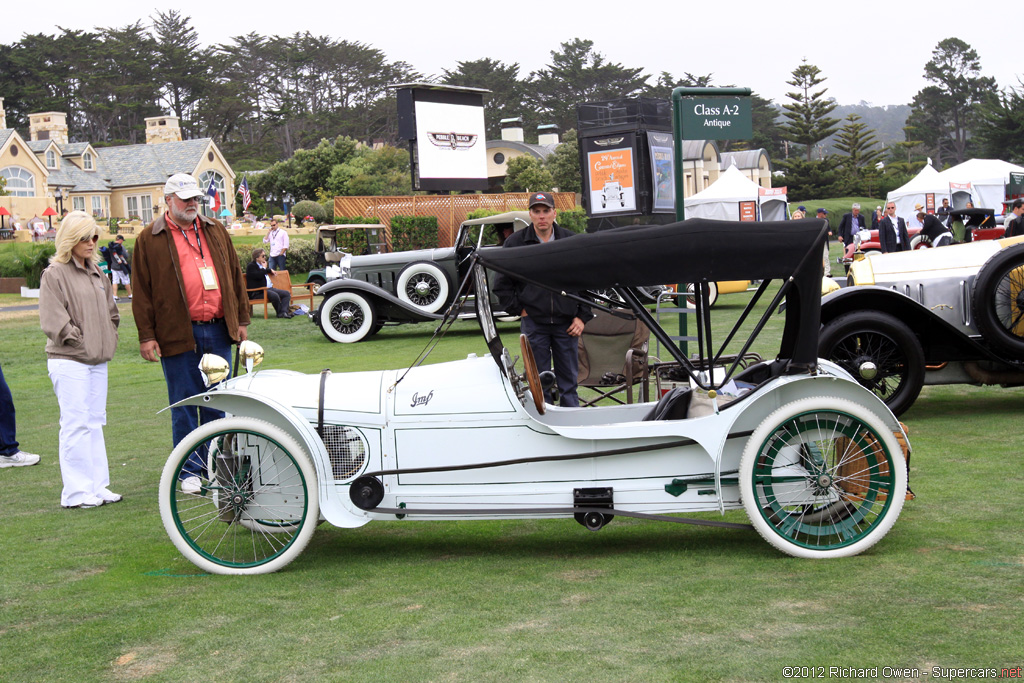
90, 238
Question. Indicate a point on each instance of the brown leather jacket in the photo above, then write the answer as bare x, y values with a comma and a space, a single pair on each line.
159, 305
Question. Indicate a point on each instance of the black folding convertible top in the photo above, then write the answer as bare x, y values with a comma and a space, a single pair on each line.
696, 250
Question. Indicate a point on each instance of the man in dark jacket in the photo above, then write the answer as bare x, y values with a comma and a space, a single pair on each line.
189, 300
1015, 225
120, 269
850, 225
892, 231
552, 323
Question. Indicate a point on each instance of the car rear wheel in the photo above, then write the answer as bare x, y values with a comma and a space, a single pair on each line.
347, 317
822, 477
691, 298
317, 283
997, 301
423, 285
880, 352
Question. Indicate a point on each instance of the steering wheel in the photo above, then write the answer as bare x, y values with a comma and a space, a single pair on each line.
532, 376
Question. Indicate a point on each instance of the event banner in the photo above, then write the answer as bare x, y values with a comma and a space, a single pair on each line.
662, 174
611, 174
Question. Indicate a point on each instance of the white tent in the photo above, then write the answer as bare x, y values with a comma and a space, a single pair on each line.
914, 192
721, 199
988, 179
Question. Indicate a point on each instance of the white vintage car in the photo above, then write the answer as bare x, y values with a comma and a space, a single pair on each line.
952, 315
814, 459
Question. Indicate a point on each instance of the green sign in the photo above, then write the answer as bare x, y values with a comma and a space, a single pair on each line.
1017, 178
717, 118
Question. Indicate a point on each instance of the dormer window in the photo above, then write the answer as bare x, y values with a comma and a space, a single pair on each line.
51, 159
87, 161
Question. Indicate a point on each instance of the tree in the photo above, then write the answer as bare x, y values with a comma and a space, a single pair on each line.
943, 114
380, 172
564, 164
505, 101
526, 174
812, 179
184, 66
1000, 126
667, 83
857, 141
578, 74
808, 121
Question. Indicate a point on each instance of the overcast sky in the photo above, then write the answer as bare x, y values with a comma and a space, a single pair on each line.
869, 51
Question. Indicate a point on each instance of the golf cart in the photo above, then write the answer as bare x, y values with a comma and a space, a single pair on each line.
336, 243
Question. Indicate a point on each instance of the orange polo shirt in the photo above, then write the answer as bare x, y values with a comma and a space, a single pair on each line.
203, 304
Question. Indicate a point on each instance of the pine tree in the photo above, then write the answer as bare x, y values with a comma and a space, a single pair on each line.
808, 117
859, 143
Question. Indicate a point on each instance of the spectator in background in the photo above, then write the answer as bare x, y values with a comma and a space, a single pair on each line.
851, 224
10, 453
933, 228
120, 268
943, 213
877, 217
1015, 224
798, 214
914, 222
892, 231
823, 215
257, 274
278, 241
79, 317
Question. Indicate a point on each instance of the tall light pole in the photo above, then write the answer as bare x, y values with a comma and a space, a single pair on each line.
288, 208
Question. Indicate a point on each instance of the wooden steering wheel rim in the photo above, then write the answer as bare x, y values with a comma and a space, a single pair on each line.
532, 376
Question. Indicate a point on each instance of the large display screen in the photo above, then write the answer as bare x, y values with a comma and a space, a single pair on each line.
450, 138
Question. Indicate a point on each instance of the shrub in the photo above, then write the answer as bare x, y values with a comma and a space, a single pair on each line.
10, 266
34, 260
112, 225
301, 256
413, 232
481, 213
573, 219
309, 208
244, 252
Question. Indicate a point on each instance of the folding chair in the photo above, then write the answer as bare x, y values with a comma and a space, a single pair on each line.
282, 280
613, 357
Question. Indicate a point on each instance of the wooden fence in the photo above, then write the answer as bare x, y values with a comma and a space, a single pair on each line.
450, 210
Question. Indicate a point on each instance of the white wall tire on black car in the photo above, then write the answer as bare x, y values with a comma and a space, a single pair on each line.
347, 317
423, 285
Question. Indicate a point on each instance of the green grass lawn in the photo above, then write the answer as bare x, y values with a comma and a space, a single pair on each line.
90, 595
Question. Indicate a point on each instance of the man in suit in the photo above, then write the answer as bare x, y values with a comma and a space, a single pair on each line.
892, 231
1015, 220
851, 224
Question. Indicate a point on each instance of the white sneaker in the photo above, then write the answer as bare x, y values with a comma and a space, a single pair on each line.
19, 459
109, 496
191, 484
89, 502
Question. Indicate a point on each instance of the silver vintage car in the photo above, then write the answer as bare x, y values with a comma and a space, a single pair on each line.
953, 315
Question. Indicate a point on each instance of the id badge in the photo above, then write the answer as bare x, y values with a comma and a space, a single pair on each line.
208, 277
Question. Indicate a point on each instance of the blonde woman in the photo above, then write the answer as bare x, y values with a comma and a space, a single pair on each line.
79, 317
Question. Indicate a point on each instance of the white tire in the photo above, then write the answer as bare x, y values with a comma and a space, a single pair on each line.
254, 477
347, 317
423, 285
822, 477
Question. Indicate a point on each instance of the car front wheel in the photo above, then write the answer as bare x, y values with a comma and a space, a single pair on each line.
880, 351
997, 301
347, 317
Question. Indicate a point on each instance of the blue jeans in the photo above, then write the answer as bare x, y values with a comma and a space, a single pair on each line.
552, 342
184, 380
276, 262
8, 430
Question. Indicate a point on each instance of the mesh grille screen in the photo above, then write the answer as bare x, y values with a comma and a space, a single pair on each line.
346, 448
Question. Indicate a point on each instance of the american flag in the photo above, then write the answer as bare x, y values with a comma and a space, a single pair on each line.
246, 197
214, 196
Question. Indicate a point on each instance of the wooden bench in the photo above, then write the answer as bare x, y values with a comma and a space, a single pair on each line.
282, 280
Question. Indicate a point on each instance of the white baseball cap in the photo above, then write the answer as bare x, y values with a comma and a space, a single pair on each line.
183, 185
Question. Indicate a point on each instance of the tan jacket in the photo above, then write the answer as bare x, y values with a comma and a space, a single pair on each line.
78, 313
159, 305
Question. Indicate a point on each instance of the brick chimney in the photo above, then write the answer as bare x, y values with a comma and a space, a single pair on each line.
162, 129
547, 134
512, 129
48, 125
3, 115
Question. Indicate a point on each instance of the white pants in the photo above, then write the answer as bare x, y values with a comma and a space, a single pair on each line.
82, 397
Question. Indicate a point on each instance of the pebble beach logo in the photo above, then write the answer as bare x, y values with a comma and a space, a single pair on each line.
455, 141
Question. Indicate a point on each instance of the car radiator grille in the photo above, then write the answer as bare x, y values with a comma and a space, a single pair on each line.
346, 448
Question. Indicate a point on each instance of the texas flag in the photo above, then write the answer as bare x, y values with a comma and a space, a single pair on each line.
214, 197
